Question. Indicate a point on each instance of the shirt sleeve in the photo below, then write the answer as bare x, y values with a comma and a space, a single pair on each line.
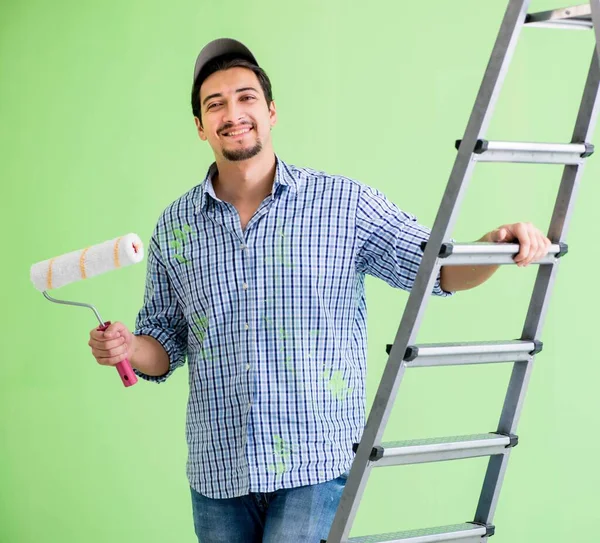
389, 242
161, 316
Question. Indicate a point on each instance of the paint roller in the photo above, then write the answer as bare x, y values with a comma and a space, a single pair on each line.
83, 264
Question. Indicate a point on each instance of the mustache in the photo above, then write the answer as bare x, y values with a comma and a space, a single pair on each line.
229, 126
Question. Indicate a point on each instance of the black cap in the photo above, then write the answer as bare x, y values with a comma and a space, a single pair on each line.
218, 47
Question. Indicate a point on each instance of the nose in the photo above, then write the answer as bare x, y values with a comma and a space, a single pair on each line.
233, 112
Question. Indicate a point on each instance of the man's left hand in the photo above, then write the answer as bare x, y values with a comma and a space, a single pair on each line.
534, 244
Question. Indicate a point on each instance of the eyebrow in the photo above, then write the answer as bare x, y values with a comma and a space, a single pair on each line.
219, 95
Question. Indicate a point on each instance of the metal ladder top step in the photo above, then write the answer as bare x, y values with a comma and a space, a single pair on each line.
573, 18
458, 533
422, 451
452, 354
529, 152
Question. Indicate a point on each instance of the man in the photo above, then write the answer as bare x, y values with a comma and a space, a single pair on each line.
257, 276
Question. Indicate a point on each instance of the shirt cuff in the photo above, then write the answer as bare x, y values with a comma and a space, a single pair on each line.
437, 287
170, 345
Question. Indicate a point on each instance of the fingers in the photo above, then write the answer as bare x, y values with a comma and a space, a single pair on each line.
533, 244
521, 232
543, 247
112, 356
112, 360
111, 346
498, 235
115, 329
103, 344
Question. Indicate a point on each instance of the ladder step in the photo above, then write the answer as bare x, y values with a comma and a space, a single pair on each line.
461, 254
440, 449
459, 533
455, 354
536, 153
573, 18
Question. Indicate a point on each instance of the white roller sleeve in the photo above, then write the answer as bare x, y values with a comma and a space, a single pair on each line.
84, 263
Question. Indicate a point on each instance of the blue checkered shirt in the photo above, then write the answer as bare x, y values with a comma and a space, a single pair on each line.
272, 321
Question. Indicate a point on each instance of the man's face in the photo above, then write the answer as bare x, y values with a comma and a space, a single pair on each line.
236, 119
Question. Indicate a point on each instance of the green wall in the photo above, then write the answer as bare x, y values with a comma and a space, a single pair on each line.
97, 137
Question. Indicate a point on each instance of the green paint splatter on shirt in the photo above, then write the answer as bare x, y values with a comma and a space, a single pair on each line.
337, 384
281, 452
283, 250
200, 326
181, 235
209, 354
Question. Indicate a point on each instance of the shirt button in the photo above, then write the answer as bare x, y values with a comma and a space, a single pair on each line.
242, 246
245, 286
247, 366
246, 326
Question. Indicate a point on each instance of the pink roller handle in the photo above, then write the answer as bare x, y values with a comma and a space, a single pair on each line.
124, 368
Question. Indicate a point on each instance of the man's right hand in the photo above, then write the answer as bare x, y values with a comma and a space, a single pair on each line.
113, 345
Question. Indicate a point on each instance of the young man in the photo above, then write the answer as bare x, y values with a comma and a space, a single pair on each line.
257, 276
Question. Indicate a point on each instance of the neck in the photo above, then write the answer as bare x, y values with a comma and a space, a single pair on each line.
247, 180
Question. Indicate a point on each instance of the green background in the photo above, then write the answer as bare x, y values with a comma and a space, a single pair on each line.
97, 137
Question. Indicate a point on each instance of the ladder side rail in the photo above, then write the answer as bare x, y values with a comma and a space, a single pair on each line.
487, 96
519, 380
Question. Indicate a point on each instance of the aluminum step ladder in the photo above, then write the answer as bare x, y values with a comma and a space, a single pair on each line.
438, 251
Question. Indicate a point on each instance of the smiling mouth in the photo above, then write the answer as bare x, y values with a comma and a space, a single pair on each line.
240, 132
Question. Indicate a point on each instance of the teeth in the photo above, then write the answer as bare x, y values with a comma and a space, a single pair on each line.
237, 132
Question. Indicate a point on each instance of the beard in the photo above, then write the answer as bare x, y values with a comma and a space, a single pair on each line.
242, 154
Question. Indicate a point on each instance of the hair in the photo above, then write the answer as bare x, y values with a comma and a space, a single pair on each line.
224, 62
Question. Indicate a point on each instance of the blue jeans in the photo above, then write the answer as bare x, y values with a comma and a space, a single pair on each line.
292, 515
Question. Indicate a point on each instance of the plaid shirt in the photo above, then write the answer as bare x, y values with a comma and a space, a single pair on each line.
272, 320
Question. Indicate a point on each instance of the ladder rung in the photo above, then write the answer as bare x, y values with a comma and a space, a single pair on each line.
576, 18
455, 354
537, 153
459, 533
421, 451
460, 254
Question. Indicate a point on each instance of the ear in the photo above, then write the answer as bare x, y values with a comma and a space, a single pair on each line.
200, 130
272, 114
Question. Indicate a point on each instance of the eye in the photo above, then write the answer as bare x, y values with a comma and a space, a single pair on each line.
210, 106
248, 97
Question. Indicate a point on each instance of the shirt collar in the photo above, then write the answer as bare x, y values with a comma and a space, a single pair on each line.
283, 177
